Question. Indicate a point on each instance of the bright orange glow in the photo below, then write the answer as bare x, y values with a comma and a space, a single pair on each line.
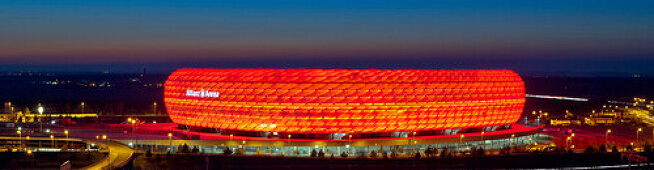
343, 101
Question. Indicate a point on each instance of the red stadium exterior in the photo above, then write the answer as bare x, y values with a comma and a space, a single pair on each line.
324, 101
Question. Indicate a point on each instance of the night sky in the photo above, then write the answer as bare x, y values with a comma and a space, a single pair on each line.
559, 36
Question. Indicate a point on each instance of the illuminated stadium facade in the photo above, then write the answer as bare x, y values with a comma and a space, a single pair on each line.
334, 103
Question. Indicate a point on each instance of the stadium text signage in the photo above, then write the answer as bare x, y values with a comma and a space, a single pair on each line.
202, 93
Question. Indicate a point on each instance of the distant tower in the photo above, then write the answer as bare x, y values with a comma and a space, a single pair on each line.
144, 71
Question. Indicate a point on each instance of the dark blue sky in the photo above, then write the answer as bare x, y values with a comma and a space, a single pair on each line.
529, 36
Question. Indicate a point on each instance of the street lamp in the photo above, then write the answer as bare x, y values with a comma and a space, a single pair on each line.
606, 136
571, 140
288, 142
349, 142
461, 141
66, 132
133, 129
170, 142
53, 141
638, 134
104, 137
154, 107
40, 109
82, 107
20, 138
482, 140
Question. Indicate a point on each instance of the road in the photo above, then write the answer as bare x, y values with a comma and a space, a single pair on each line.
119, 155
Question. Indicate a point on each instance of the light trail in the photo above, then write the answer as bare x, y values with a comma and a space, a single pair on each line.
557, 97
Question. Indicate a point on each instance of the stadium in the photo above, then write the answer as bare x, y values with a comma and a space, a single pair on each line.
341, 110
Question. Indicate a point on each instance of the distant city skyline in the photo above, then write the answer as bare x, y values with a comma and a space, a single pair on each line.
527, 36
584, 68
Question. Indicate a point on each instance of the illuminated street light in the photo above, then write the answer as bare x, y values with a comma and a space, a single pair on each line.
133, 121
606, 136
40, 110
408, 142
20, 138
104, 137
82, 106
461, 141
349, 142
53, 141
66, 132
170, 142
638, 134
482, 140
567, 142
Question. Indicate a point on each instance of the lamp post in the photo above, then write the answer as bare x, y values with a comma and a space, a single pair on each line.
170, 142
154, 108
288, 142
571, 139
40, 109
106, 142
638, 134
606, 136
27, 141
53, 141
66, 133
414, 146
482, 140
82, 106
20, 138
461, 141
133, 129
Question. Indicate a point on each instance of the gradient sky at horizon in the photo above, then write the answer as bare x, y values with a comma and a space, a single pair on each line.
39, 34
